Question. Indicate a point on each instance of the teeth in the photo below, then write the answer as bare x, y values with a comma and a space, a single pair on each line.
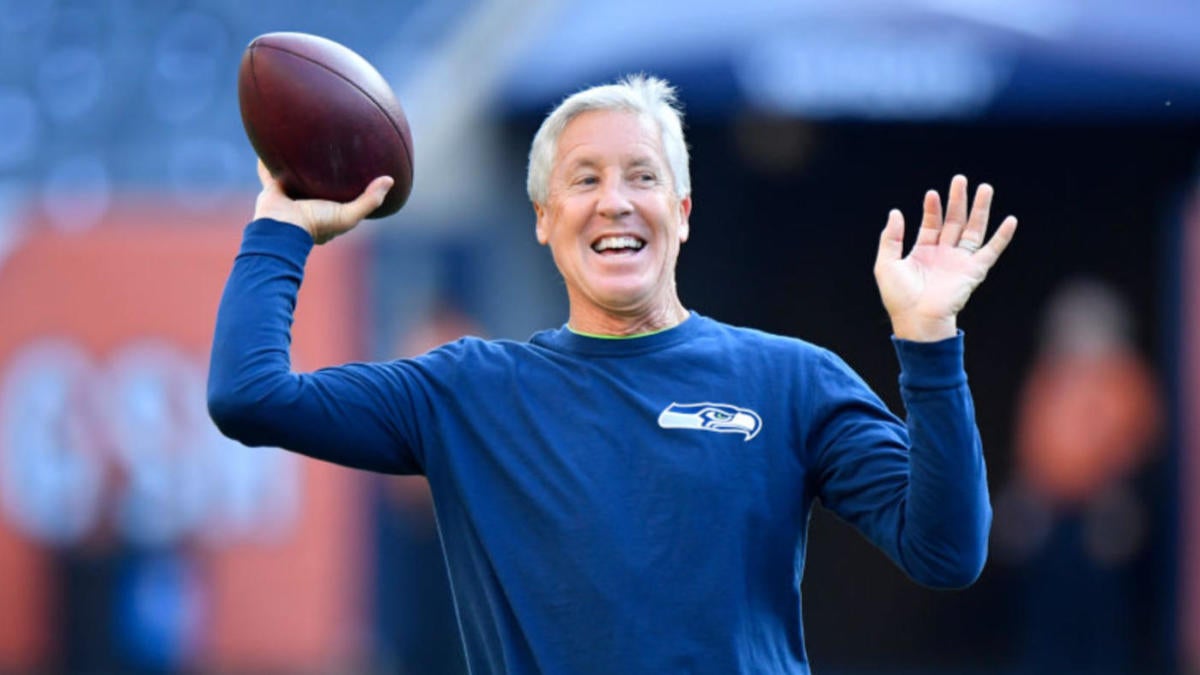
607, 243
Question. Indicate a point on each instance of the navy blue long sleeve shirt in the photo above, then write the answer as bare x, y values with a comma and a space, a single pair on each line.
622, 505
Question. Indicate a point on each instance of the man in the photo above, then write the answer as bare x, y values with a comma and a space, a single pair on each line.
633, 505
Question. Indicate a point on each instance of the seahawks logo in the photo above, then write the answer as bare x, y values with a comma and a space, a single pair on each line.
719, 417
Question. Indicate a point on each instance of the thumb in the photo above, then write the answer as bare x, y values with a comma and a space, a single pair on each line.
269, 182
891, 240
370, 199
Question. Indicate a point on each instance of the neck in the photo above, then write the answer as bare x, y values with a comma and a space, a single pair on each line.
596, 321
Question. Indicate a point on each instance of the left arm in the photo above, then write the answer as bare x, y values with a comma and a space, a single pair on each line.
920, 492
917, 490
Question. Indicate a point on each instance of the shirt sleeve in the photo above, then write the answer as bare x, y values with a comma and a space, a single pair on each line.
355, 415
917, 489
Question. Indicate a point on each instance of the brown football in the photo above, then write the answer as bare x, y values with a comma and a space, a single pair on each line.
323, 120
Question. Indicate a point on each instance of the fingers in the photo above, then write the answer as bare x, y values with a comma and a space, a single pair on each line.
891, 240
972, 237
931, 220
368, 201
956, 212
991, 251
959, 230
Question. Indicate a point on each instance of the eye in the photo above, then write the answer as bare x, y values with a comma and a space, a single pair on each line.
587, 180
645, 178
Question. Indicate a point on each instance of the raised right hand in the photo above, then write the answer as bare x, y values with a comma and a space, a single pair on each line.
322, 219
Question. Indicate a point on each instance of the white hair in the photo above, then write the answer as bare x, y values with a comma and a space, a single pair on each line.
647, 96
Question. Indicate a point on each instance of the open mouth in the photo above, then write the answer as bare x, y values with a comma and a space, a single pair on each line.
618, 245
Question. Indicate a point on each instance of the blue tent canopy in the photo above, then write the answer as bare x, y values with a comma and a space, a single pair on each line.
871, 59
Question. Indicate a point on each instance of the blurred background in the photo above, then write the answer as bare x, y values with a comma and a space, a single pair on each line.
134, 539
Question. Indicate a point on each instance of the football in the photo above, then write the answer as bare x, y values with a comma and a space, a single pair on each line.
323, 120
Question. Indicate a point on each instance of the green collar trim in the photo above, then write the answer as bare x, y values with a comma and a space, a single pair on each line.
618, 337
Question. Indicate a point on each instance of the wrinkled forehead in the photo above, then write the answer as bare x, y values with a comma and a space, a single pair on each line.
617, 131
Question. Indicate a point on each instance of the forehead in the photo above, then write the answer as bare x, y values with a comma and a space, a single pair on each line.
599, 135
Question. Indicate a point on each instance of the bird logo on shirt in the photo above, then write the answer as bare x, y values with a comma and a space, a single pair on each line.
719, 417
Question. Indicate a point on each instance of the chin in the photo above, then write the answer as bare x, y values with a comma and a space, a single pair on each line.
622, 297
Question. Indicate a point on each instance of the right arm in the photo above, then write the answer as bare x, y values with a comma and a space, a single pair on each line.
350, 414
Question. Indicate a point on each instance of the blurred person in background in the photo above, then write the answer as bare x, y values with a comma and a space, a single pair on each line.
1075, 520
630, 493
126, 605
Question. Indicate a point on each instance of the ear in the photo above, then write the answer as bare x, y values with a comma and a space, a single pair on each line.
685, 210
542, 229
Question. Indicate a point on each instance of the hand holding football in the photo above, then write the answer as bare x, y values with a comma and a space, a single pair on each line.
323, 120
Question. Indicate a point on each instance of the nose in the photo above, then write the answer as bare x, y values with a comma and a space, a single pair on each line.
613, 201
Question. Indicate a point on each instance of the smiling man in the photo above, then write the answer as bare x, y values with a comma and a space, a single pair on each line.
630, 493
612, 215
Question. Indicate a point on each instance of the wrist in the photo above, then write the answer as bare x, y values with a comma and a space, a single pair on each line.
287, 218
280, 224
924, 329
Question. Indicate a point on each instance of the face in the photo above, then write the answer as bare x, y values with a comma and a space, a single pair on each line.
612, 220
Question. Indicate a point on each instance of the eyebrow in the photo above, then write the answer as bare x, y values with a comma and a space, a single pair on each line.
589, 163
582, 163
